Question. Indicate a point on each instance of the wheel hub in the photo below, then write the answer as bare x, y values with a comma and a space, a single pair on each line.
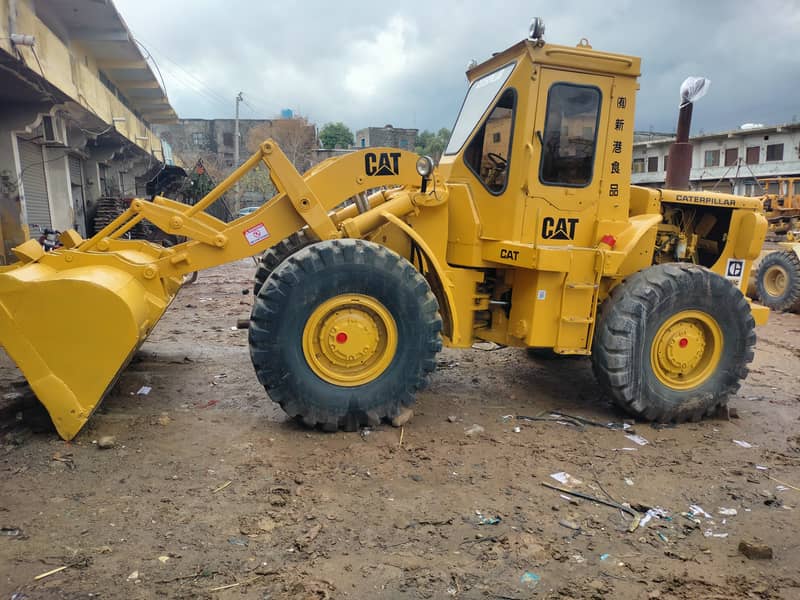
686, 349
350, 339
775, 280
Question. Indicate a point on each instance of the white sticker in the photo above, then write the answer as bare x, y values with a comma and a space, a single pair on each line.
734, 271
541, 295
256, 234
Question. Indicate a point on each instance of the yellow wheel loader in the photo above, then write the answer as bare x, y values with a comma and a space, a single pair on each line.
777, 279
527, 234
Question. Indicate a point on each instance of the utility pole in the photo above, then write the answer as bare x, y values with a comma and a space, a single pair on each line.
239, 98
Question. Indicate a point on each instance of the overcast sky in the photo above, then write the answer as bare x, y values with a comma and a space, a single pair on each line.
369, 64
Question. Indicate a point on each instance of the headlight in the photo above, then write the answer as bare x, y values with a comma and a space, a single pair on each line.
536, 30
424, 166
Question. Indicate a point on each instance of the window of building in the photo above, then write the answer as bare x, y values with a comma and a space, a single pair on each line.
496, 137
363, 142
198, 139
569, 160
775, 152
404, 143
797, 187
227, 139
751, 158
652, 164
731, 156
490, 161
711, 158
666, 161
638, 165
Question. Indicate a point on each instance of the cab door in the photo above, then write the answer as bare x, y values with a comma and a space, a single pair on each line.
565, 178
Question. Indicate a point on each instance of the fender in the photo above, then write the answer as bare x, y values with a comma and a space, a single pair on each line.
448, 312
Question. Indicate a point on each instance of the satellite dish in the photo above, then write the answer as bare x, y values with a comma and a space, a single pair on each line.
694, 88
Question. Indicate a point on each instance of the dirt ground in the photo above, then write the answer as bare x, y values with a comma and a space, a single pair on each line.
209, 492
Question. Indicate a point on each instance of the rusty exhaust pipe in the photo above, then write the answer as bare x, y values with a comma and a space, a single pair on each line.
679, 166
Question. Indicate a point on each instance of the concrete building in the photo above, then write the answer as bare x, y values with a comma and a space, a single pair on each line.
729, 161
393, 137
77, 100
191, 139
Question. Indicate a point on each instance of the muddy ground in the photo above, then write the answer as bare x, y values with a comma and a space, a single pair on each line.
210, 493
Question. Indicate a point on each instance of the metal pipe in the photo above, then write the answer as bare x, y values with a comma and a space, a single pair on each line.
679, 167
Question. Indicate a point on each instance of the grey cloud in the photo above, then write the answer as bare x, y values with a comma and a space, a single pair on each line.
403, 63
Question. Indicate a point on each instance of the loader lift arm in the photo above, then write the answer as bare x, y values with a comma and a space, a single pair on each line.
57, 309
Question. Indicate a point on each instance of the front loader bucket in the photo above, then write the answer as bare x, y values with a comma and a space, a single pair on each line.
71, 331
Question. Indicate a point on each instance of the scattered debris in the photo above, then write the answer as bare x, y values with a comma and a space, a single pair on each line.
698, 510
636, 516
163, 559
452, 418
566, 478
48, 573
530, 579
788, 485
222, 487
403, 417
755, 551
106, 442
474, 429
488, 520
237, 541
10, 531
628, 481
637, 439
569, 524
517, 429
133, 576
743, 444
208, 404
605, 556
653, 513
144, 390
728, 512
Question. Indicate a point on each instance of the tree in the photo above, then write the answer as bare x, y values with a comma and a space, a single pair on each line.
296, 137
333, 135
433, 144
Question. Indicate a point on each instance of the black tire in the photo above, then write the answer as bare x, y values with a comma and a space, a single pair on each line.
627, 325
786, 266
300, 285
277, 254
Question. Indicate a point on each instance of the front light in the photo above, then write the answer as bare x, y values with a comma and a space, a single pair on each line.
424, 166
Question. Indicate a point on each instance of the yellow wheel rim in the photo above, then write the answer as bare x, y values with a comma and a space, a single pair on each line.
686, 349
775, 280
350, 340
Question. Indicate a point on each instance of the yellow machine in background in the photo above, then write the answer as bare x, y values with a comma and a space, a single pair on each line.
528, 234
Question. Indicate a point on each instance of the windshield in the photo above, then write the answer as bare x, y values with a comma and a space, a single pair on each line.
480, 95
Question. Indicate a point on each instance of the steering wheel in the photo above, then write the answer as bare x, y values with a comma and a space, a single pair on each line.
498, 162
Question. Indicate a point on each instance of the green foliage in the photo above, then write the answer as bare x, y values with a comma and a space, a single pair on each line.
336, 134
433, 144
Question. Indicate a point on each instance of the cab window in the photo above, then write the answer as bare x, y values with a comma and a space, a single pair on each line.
569, 140
488, 153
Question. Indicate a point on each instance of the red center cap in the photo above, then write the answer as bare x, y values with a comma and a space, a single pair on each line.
341, 337
683, 343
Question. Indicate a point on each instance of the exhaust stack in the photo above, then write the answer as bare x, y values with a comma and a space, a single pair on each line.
680, 153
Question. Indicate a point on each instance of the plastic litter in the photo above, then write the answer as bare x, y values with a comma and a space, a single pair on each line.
530, 579
566, 479
144, 390
604, 556
473, 430
743, 444
637, 439
698, 510
728, 512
